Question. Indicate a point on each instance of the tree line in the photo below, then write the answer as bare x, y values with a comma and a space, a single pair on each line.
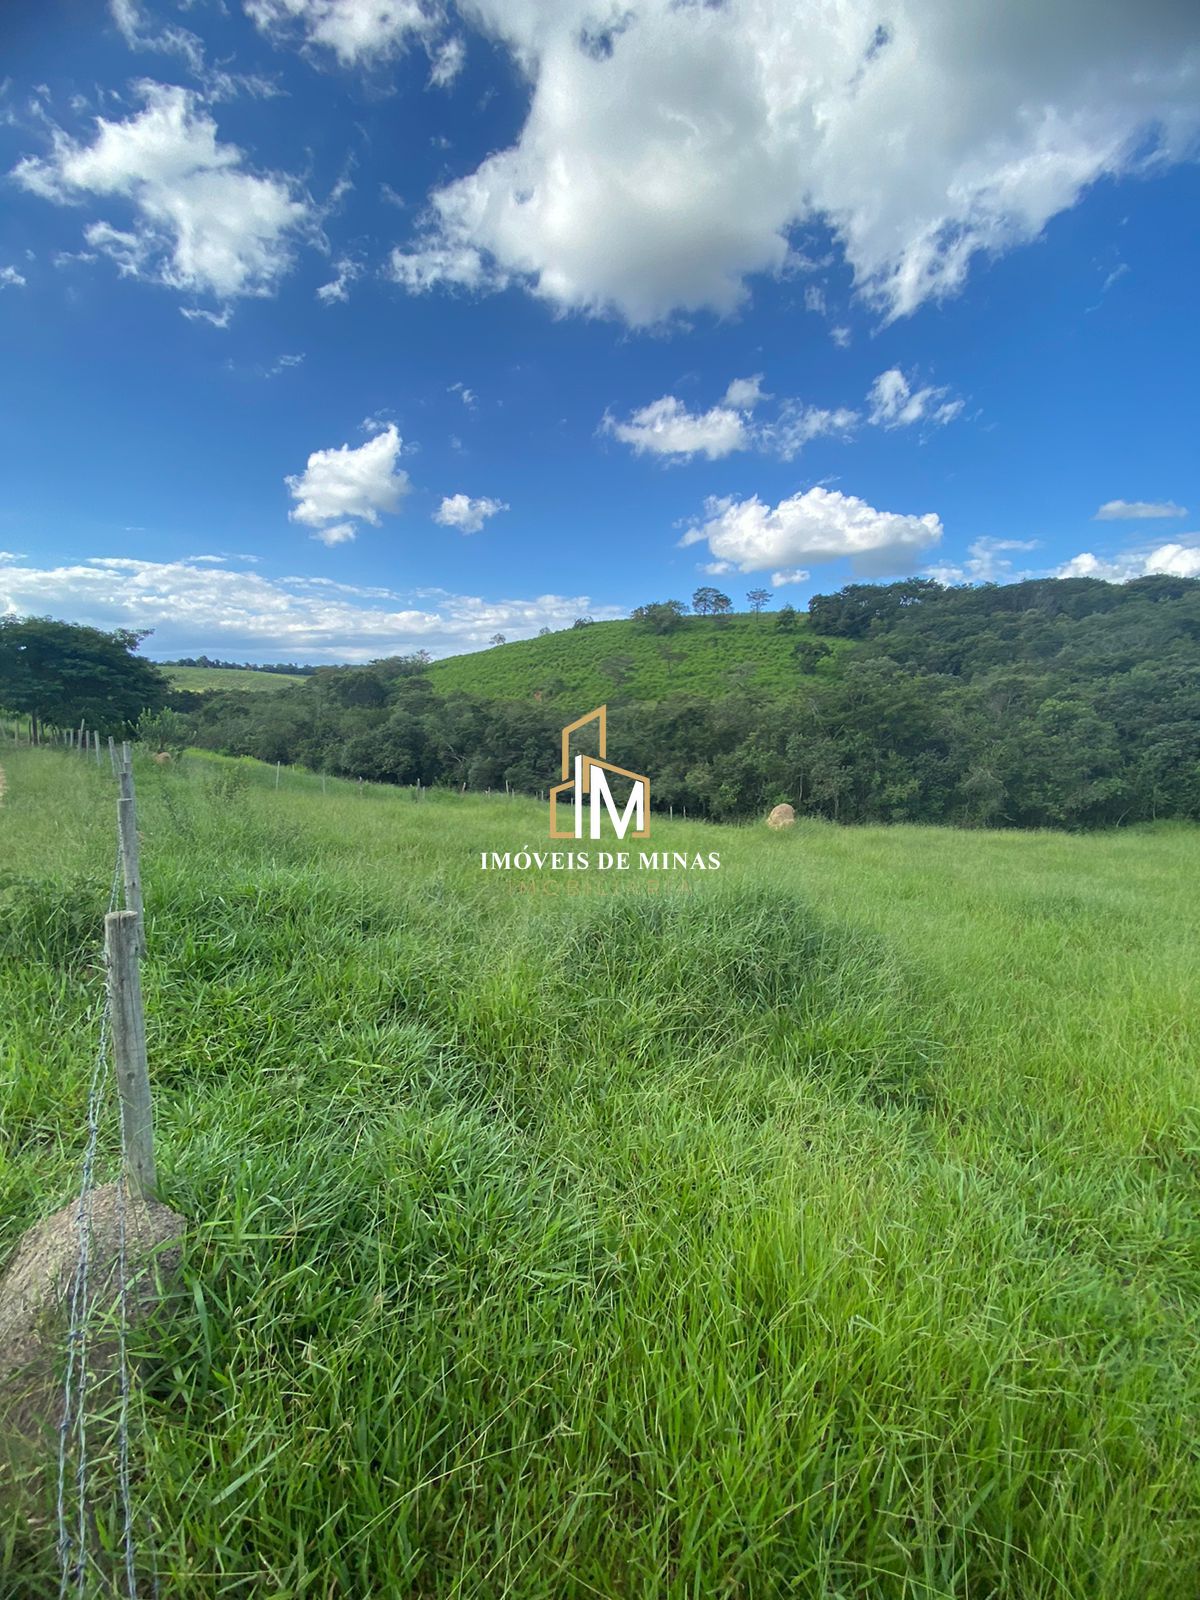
1051, 703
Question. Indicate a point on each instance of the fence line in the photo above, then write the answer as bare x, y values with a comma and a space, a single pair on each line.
121, 1034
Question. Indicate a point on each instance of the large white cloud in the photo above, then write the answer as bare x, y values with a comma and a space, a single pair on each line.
200, 220
225, 611
672, 148
467, 515
818, 525
342, 484
1175, 560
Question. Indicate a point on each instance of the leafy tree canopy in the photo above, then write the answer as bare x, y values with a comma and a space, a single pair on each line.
61, 674
708, 600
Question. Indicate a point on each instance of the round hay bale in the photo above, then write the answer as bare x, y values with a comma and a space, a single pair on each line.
163, 757
782, 817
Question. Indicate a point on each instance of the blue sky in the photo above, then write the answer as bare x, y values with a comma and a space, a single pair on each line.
338, 328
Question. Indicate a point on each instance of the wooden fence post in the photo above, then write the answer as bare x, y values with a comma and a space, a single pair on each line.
122, 934
130, 852
112, 756
277, 774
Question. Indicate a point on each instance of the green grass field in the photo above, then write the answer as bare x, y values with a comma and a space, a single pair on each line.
705, 656
205, 679
826, 1226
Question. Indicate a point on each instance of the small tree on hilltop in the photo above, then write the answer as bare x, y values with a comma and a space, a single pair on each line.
785, 619
660, 616
709, 601
497, 638
756, 599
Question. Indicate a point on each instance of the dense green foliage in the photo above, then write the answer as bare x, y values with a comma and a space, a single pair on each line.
827, 1230
1043, 704
60, 674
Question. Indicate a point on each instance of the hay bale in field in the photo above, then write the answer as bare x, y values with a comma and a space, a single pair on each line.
163, 757
35, 1293
782, 817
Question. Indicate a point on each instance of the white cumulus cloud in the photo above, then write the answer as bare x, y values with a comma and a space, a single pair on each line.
341, 485
817, 525
671, 150
200, 220
743, 394
467, 515
10, 278
336, 533
1173, 560
667, 428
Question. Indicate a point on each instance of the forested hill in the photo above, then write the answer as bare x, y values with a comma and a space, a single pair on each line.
1059, 703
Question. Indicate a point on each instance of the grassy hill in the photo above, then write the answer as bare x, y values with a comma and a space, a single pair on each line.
704, 656
824, 1225
204, 679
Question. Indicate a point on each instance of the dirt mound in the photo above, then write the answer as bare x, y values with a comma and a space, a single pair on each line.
35, 1302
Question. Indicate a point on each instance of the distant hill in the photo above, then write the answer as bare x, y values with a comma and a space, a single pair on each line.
703, 656
205, 679
1069, 703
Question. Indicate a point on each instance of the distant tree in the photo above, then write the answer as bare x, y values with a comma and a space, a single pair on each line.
582, 622
660, 616
60, 674
619, 668
808, 652
756, 599
497, 638
163, 731
544, 632
785, 619
708, 600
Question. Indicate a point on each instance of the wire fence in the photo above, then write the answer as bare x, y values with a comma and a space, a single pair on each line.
79, 1571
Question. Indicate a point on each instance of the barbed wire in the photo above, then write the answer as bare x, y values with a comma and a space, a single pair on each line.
73, 1549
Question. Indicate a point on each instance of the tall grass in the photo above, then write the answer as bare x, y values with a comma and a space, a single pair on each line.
825, 1226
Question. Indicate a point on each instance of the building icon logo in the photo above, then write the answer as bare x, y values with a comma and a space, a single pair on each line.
586, 778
